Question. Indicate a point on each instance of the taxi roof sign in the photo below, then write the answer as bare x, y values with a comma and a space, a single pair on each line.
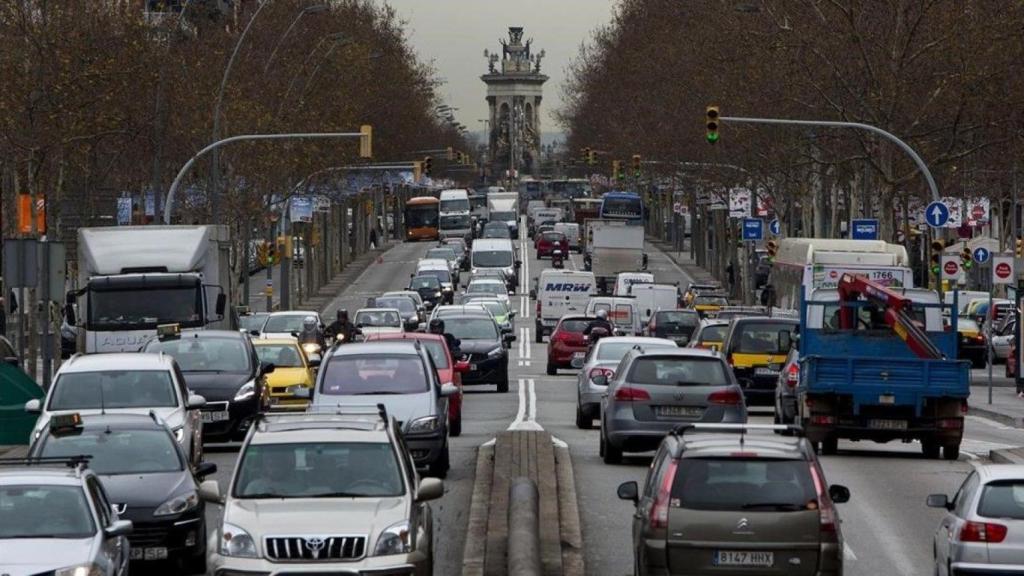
65, 422
166, 331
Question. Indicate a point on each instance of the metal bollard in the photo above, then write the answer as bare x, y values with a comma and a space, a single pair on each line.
523, 528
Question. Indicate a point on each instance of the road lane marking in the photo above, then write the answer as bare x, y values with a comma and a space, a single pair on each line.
848, 553
521, 410
990, 423
532, 412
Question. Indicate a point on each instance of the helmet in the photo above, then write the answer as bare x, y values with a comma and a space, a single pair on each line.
309, 322
602, 314
437, 326
342, 314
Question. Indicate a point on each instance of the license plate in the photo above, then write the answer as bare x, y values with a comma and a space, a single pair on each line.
678, 411
219, 416
744, 558
887, 399
148, 554
878, 424
765, 372
579, 355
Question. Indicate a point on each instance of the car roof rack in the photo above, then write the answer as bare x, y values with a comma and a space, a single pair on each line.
742, 429
77, 463
328, 413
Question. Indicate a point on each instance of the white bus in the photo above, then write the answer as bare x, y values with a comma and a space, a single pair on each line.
454, 214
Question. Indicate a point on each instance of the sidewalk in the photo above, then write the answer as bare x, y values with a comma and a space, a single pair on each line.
1006, 407
683, 260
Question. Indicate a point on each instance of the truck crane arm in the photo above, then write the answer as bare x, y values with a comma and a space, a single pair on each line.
898, 309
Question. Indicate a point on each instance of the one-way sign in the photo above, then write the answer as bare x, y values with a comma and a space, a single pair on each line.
937, 214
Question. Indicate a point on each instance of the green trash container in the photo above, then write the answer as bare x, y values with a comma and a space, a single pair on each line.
16, 388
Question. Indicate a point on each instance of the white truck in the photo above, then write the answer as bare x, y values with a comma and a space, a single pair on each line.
559, 292
613, 247
650, 298
504, 207
133, 278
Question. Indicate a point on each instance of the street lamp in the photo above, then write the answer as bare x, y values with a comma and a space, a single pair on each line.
334, 37
314, 9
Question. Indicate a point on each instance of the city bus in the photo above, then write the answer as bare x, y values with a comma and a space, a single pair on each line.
622, 206
421, 218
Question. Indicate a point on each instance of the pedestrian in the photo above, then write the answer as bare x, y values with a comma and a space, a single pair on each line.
373, 238
730, 274
3, 316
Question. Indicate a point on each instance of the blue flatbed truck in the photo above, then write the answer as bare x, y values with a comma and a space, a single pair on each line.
884, 369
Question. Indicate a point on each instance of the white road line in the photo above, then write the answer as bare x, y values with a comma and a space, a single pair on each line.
532, 413
521, 411
987, 422
848, 553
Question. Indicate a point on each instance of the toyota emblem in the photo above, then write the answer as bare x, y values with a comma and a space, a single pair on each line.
315, 545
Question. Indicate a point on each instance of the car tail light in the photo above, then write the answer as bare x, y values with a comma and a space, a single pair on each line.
629, 394
989, 532
659, 510
964, 407
792, 375
949, 423
826, 509
730, 360
538, 307
726, 397
606, 372
821, 420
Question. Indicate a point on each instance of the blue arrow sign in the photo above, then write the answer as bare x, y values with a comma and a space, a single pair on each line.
937, 214
864, 229
753, 229
775, 227
981, 254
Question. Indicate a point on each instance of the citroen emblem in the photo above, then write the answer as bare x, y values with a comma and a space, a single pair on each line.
315, 545
743, 524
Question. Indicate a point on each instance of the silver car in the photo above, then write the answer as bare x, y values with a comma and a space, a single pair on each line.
982, 531
653, 392
601, 360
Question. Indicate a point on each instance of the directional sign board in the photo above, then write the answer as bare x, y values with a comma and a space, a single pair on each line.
981, 254
951, 267
937, 214
1002, 270
775, 227
866, 229
753, 229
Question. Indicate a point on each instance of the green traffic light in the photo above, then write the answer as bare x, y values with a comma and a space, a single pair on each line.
712, 137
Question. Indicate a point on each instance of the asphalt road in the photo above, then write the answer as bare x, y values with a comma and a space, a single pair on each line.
886, 525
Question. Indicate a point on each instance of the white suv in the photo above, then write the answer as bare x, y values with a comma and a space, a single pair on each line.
125, 383
332, 491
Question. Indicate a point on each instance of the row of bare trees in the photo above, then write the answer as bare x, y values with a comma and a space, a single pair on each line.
100, 98
943, 75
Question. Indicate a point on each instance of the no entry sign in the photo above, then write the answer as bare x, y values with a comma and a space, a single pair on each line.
1002, 270
950, 267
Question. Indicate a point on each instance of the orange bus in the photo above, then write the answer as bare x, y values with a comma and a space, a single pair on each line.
421, 218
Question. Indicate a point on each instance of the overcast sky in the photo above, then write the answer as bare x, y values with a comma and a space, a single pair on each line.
452, 35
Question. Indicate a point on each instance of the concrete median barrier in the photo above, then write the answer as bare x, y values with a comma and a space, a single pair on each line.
524, 528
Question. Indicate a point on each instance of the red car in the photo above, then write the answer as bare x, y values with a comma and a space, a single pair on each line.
548, 242
565, 341
449, 371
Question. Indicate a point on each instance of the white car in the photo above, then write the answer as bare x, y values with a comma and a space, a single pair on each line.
379, 321
125, 383
288, 324
1001, 343
487, 286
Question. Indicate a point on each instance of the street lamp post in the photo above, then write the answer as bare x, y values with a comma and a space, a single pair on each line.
334, 37
314, 9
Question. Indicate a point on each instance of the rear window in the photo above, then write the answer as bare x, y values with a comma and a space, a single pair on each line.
615, 351
713, 333
677, 371
710, 301
735, 484
677, 318
372, 374
577, 326
553, 236
1003, 499
761, 338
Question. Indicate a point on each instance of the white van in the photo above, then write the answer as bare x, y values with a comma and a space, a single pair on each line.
454, 219
622, 313
626, 279
560, 292
496, 253
572, 233
650, 298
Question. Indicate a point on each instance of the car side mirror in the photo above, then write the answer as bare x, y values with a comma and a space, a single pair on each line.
576, 362
33, 406
533, 294
509, 337
519, 263
429, 489
511, 313
839, 494
119, 528
938, 501
254, 332
462, 366
222, 304
448, 390
195, 402
600, 380
629, 491
267, 368
209, 491
69, 313
314, 361
204, 469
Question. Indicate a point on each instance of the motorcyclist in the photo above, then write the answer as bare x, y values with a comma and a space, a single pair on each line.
600, 323
342, 326
556, 259
437, 327
310, 333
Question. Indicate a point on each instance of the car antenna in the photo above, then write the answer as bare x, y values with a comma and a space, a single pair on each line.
103, 403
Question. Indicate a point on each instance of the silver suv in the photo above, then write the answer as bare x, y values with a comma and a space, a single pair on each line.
324, 492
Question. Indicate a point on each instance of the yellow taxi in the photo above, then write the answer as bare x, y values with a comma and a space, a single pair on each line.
292, 370
707, 305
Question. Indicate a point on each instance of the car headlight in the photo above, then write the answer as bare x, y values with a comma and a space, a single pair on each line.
311, 348
496, 353
437, 294
395, 539
447, 289
236, 542
178, 504
179, 434
80, 570
424, 425
246, 392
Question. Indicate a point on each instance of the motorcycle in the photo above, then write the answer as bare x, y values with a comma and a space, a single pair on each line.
557, 261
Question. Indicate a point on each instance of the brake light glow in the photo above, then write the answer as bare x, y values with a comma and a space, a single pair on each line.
629, 394
607, 372
659, 511
989, 532
792, 376
729, 397
826, 509
949, 423
822, 420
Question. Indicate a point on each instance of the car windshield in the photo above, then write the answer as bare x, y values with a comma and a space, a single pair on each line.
494, 307
280, 355
471, 328
762, 338
492, 258
744, 485
55, 512
441, 275
252, 321
206, 354
145, 307
1002, 499
677, 318
677, 371
429, 282
319, 470
369, 374
502, 216
615, 351
404, 305
284, 323
552, 236
500, 231
112, 389
714, 333
496, 288
118, 452
455, 205
378, 319
455, 222
710, 301
443, 253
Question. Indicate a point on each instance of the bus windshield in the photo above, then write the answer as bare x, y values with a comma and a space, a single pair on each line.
421, 215
620, 207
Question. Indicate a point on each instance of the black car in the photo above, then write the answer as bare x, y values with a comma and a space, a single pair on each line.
429, 289
483, 345
675, 325
147, 478
221, 366
496, 230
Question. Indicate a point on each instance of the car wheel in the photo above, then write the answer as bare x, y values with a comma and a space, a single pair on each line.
455, 427
196, 564
612, 455
439, 468
830, 446
538, 335
503, 385
552, 369
930, 449
582, 421
951, 452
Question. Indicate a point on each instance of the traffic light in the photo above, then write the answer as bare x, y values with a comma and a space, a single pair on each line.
965, 258
586, 155
773, 248
366, 141
636, 165
428, 166
591, 156
616, 168
712, 124
936, 260
263, 253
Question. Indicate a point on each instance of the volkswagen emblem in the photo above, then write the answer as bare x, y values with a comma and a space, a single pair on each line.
315, 545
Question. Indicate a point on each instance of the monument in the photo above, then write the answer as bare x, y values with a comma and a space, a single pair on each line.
515, 89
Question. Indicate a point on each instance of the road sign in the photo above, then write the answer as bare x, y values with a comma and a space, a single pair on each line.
937, 214
301, 209
951, 267
1002, 270
981, 254
753, 229
775, 227
124, 211
21, 267
865, 229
